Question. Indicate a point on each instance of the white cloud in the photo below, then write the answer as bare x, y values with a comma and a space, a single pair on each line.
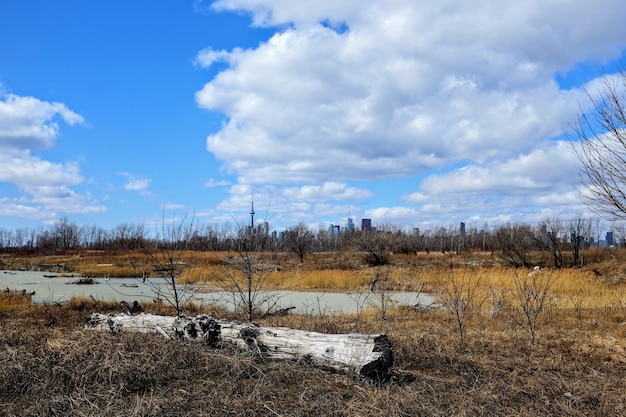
329, 191
172, 206
542, 170
282, 12
393, 215
210, 183
209, 56
10, 207
411, 86
25, 170
461, 96
557, 199
46, 203
29, 123
283, 206
64, 200
522, 187
134, 183
137, 184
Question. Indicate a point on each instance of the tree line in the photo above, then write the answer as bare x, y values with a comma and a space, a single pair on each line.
562, 241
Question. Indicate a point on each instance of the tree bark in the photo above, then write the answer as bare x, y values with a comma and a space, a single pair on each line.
367, 355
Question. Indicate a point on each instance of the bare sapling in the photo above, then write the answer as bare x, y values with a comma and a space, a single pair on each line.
380, 297
360, 298
246, 277
167, 257
499, 302
577, 298
459, 296
532, 297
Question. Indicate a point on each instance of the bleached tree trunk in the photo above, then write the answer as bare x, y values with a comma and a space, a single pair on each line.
367, 355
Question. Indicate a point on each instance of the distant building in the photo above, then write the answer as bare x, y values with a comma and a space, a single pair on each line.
263, 229
609, 238
366, 225
462, 229
349, 224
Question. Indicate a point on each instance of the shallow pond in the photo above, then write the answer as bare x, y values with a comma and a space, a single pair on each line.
60, 289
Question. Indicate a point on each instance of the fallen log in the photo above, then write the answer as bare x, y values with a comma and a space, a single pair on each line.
366, 355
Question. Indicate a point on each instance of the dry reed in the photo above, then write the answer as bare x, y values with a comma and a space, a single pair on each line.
50, 366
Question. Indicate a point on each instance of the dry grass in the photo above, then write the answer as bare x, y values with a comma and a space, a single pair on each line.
326, 279
576, 367
12, 300
51, 366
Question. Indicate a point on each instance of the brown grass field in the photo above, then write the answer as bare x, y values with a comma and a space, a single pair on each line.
51, 366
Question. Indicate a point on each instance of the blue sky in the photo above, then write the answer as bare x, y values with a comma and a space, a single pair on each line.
414, 113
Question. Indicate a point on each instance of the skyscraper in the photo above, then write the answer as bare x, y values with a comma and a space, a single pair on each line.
349, 224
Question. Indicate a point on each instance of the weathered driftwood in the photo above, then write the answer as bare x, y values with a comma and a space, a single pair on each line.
367, 355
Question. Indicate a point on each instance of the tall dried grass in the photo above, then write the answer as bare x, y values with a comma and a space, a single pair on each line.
12, 300
50, 366
326, 279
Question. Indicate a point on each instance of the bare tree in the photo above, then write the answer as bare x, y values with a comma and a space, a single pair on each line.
516, 241
94, 237
6, 239
300, 240
600, 144
532, 296
444, 239
458, 293
129, 236
66, 235
245, 276
580, 232
168, 257
376, 246
550, 231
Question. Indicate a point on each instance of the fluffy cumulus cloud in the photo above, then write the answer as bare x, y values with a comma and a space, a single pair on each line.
325, 192
26, 170
27, 124
389, 89
528, 188
532, 172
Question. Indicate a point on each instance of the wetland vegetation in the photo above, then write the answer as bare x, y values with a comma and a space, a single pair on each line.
479, 355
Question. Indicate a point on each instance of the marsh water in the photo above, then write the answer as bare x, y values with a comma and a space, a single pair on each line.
59, 289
